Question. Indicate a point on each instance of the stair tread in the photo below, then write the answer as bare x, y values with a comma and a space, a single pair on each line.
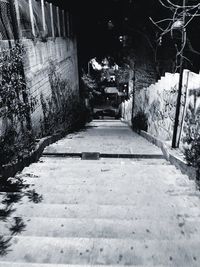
92, 211
103, 251
179, 228
11, 264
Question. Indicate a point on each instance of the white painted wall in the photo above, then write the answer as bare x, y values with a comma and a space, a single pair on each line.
158, 102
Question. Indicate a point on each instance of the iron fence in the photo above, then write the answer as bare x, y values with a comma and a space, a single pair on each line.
34, 19
6, 27
22, 19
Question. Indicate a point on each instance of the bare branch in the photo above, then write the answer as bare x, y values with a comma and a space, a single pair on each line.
194, 15
191, 47
163, 20
177, 6
197, 15
163, 4
187, 59
156, 24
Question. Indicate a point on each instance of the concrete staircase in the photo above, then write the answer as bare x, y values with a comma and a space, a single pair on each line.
110, 212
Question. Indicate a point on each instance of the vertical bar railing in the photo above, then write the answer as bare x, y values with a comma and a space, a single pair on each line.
68, 24
58, 21
52, 20
63, 20
32, 17
16, 18
43, 16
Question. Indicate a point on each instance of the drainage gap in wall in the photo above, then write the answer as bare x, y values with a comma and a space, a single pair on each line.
97, 155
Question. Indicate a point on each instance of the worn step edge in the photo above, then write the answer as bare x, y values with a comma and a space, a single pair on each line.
12, 264
180, 163
103, 251
90, 211
10, 170
102, 228
113, 199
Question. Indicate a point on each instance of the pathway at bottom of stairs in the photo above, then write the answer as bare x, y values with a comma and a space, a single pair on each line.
64, 211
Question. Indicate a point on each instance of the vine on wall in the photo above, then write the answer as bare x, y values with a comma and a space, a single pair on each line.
15, 106
192, 137
62, 108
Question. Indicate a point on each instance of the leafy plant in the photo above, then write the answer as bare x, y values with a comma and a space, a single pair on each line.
15, 105
90, 83
192, 152
192, 139
139, 122
62, 109
4, 245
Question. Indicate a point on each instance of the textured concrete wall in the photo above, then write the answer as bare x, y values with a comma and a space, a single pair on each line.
60, 56
158, 102
52, 82
143, 73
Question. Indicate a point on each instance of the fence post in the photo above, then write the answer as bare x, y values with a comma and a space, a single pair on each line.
68, 24
16, 5
43, 16
63, 19
58, 20
185, 106
32, 17
52, 21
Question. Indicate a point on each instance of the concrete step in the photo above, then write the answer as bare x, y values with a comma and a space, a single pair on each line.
178, 228
92, 211
108, 197
83, 251
11, 264
84, 171
67, 161
137, 200
51, 163
102, 186
105, 177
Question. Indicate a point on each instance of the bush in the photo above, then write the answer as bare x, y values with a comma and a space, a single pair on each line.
139, 122
192, 154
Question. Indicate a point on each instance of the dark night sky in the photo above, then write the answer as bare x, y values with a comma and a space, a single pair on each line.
128, 16
91, 17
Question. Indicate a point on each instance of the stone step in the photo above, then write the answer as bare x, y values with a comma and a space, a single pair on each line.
106, 177
118, 162
11, 264
51, 163
101, 185
128, 190
92, 211
108, 197
137, 200
178, 228
104, 172
83, 251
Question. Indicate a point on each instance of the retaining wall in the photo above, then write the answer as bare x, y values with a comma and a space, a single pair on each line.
158, 102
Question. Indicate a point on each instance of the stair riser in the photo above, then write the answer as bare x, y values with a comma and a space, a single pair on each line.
102, 228
103, 251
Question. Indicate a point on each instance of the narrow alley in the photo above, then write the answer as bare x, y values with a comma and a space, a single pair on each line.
99, 133
124, 206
